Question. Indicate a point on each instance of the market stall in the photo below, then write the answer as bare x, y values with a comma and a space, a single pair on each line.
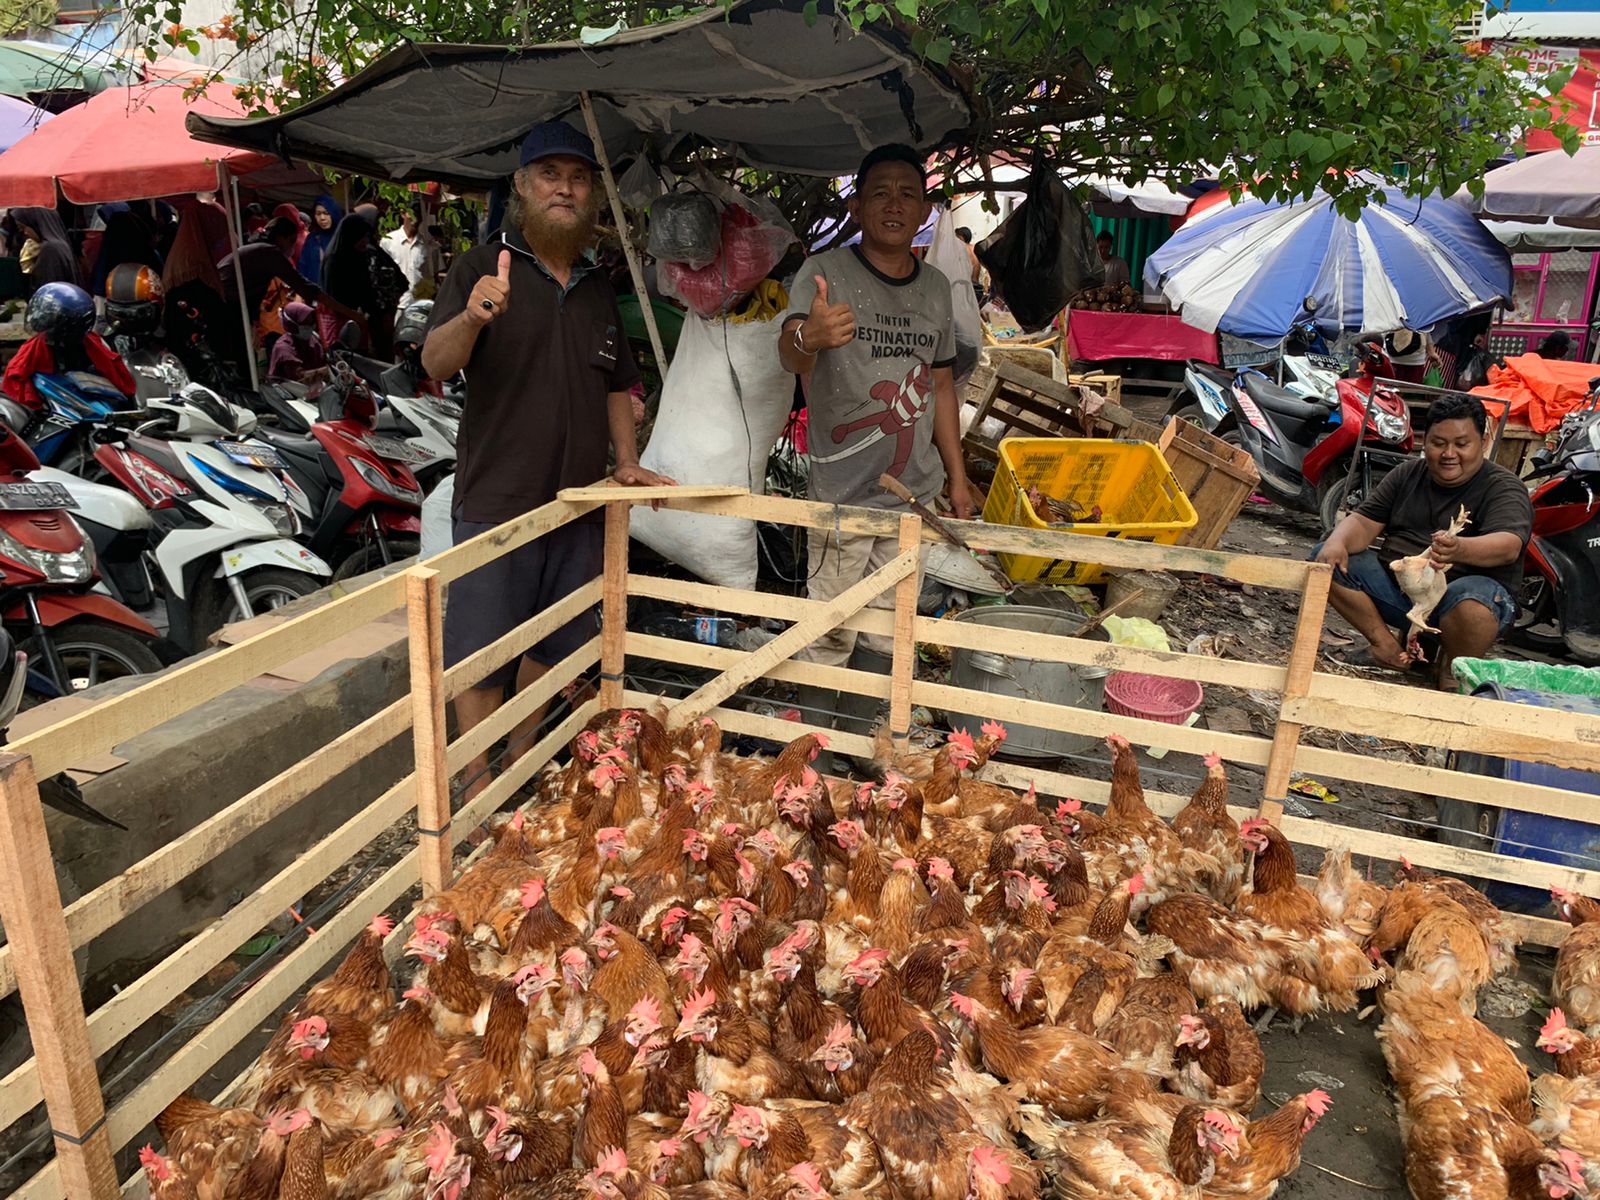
1100, 336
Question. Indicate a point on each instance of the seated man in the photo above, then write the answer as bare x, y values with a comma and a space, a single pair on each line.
1411, 510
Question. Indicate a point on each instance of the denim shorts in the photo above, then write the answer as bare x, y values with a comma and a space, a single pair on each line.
1368, 574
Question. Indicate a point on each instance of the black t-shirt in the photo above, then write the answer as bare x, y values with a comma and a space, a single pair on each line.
1412, 508
535, 414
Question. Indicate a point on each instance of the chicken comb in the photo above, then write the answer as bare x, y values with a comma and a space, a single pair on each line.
441, 1147
798, 870
961, 740
905, 864
532, 893
804, 934
381, 925
698, 1103
1562, 896
994, 730
669, 1147
384, 1136
532, 970
807, 1175
939, 868
1220, 1120
1317, 1102
1573, 1162
839, 1034
613, 1162
988, 1160
286, 1121
693, 839
154, 1165
647, 1009
673, 917
310, 1027
589, 1062
1067, 807
697, 1005
518, 820
1213, 760
611, 833
622, 892
1555, 1024
572, 956
822, 743
1135, 884
417, 991
965, 1005
876, 954
1117, 742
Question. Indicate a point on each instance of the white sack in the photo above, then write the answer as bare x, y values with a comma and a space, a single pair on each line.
437, 534
949, 254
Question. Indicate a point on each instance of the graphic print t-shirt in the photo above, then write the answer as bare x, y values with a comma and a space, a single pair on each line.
871, 401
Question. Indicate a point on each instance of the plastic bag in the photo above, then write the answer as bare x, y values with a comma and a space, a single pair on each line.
949, 254
754, 238
725, 400
1561, 678
1136, 631
641, 184
438, 530
685, 227
1044, 254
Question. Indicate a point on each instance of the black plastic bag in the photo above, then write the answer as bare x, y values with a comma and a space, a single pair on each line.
685, 227
1044, 254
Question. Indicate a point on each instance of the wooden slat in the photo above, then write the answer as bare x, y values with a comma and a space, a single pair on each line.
509, 715
425, 621
608, 493
471, 670
904, 664
1302, 662
519, 772
163, 868
794, 639
833, 679
755, 604
204, 678
614, 605
1062, 393
30, 905
150, 992
471, 554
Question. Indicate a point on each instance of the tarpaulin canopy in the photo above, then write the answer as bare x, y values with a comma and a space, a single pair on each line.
18, 119
124, 144
1540, 390
754, 78
31, 68
1549, 186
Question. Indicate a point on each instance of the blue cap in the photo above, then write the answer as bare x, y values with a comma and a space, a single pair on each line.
549, 139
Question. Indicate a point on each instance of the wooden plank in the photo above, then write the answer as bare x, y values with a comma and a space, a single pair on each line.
608, 492
469, 671
1302, 662
794, 639
834, 679
204, 678
614, 606
1044, 385
518, 773
808, 514
238, 1021
425, 620
149, 993
489, 545
504, 719
92, 914
755, 604
30, 906
903, 667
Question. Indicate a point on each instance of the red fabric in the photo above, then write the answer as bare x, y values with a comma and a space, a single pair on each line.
35, 358
1094, 336
124, 144
1575, 103
1540, 390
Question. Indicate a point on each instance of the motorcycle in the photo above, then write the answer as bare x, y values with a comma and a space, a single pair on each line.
1557, 613
80, 637
1318, 455
359, 499
223, 510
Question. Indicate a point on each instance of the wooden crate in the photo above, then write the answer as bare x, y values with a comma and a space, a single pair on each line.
38, 961
1029, 404
1218, 478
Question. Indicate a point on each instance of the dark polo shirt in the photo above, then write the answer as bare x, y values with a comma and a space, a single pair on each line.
535, 414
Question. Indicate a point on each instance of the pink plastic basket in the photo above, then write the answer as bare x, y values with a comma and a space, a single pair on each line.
1153, 697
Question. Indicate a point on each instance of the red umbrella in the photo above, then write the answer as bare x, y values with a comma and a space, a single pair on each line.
123, 144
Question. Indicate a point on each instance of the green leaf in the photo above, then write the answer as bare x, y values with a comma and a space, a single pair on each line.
809, 12
964, 18
874, 12
1164, 95
940, 50
907, 9
1248, 37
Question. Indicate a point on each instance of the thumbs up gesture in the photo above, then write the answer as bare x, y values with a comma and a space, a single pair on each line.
827, 326
491, 295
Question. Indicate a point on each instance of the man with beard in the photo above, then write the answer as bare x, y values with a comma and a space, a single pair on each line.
534, 326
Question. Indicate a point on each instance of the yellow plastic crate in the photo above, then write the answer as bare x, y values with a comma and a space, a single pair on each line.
1130, 482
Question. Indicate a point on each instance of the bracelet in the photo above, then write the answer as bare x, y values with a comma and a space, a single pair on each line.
800, 342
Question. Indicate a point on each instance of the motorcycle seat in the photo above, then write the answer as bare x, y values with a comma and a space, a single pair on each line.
1282, 402
370, 370
290, 443
159, 452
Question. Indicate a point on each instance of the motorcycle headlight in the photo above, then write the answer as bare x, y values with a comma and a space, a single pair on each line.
76, 566
1390, 427
284, 521
379, 482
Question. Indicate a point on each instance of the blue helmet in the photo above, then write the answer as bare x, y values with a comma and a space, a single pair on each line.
63, 312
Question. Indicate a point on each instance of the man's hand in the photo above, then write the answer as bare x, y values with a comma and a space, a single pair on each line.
491, 295
962, 502
1444, 548
637, 476
828, 326
1334, 554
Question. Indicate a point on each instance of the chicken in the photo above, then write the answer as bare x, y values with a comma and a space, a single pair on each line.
777, 1138
1456, 1149
304, 1176
1269, 1150
1449, 950
1132, 840
1205, 826
359, 987
1063, 1070
1430, 1045
1219, 1059
1219, 953
1575, 1052
1347, 899
1143, 1028
165, 1182
227, 1152
1575, 986
1108, 1159
1424, 585
732, 1059
1567, 1115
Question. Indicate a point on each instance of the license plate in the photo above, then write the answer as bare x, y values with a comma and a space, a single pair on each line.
1324, 362
252, 454
392, 448
19, 497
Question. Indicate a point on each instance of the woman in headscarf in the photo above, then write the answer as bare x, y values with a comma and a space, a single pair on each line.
325, 218
290, 211
347, 275
126, 239
53, 261
194, 305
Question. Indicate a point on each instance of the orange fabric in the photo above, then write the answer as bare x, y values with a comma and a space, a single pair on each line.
1540, 390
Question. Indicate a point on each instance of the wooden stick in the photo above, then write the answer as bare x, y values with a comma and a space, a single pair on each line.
425, 617
30, 906
798, 636
903, 669
1302, 662
609, 492
621, 218
614, 606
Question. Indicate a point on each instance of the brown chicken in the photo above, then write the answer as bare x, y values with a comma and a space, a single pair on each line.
1219, 953
1349, 900
1204, 825
1064, 1071
1161, 1159
1131, 839
1219, 1058
1575, 986
1431, 1045
1575, 1052
227, 1151
1455, 1148
165, 1182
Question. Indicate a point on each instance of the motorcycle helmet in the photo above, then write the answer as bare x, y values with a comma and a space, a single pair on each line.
133, 299
412, 327
63, 312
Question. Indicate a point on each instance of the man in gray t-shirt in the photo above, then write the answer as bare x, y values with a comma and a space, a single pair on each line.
870, 328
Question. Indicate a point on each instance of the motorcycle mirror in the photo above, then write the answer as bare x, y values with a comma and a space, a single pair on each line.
1309, 304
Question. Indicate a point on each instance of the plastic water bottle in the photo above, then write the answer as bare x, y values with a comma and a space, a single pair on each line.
708, 630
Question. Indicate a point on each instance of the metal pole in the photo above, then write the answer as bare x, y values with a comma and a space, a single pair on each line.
230, 204
634, 269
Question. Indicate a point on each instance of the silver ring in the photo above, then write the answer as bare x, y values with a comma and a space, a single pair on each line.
487, 304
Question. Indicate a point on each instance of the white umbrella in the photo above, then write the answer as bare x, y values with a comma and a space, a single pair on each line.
1550, 185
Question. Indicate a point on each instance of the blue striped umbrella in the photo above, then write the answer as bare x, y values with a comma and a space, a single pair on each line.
1407, 262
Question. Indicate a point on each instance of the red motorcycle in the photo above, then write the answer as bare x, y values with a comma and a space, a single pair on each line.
1316, 455
76, 636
